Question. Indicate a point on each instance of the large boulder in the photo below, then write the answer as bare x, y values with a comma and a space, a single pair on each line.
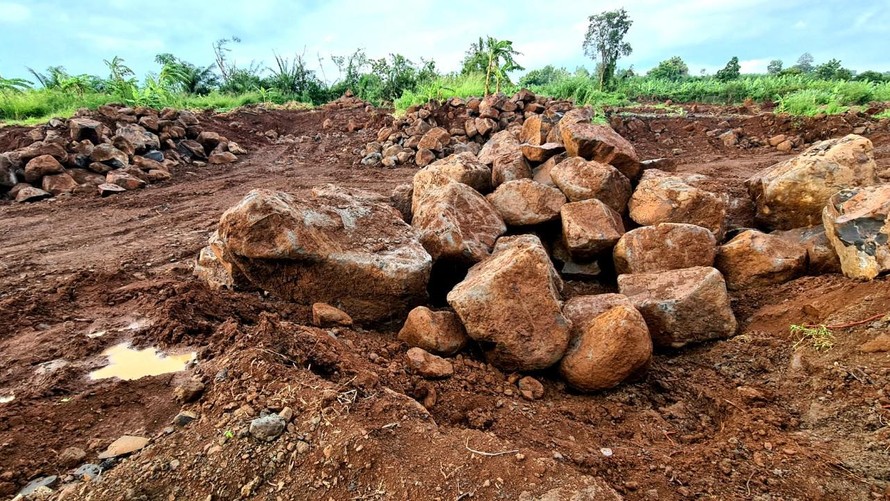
590, 227
26, 193
510, 304
43, 165
792, 194
821, 256
581, 180
109, 155
524, 202
754, 259
661, 198
681, 306
58, 183
462, 167
328, 247
438, 332
597, 142
85, 129
857, 222
504, 154
610, 342
663, 247
125, 180
455, 222
435, 139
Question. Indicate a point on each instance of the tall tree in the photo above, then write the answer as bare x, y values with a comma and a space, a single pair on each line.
730, 71
670, 69
604, 42
805, 63
774, 67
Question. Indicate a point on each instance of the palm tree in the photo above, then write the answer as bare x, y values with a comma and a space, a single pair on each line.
10, 85
500, 61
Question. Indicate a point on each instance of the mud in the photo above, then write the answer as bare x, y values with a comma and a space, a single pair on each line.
763, 415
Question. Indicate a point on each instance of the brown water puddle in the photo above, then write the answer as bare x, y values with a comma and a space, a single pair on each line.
128, 363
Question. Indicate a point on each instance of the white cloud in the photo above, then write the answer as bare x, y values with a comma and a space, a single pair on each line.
13, 12
753, 66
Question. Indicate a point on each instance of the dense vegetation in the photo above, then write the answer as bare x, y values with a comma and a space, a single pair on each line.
802, 89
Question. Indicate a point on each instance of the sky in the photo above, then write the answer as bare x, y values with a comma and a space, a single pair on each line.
705, 33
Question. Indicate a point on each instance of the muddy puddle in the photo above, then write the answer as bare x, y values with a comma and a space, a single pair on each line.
128, 363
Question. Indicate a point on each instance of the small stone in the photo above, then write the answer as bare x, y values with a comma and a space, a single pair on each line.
106, 189
72, 456
38, 484
302, 447
428, 365
439, 332
127, 444
267, 428
287, 414
184, 418
325, 315
530, 388
31, 194
189, 391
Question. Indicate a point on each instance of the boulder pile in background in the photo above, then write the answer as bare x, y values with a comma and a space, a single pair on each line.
111, 150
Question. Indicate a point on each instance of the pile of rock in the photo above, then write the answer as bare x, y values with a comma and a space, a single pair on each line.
434, 131
86, 154
575, 200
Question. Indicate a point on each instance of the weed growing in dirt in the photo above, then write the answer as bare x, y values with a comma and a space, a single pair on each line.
820, 336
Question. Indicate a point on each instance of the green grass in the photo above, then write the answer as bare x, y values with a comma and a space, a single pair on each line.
819, 336
883, 114
794, 94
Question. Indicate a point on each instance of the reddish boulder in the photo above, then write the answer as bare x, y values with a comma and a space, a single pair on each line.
30, 194
438, 332
436, 139
590, 227
43, 165
427, 365
663, 247
59, 183
681, 306
125, 180
857, 222
85, 129
598, 142
109, 155
792, 194
504, 154
454, 221
821, 256
610, 342
510, 303
661, 198
329, 246
525, 202
581, 180
755, 259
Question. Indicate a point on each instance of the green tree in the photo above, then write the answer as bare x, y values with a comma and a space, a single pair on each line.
805, 63
604, 42
184, 76
670, 69
14, 85
730, 71
494, 58
832, 70
871, 76
774, 67
546, 75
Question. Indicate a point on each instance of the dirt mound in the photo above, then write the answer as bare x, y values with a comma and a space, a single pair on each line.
761, 414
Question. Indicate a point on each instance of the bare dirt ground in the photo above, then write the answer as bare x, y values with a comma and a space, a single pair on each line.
757, 416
